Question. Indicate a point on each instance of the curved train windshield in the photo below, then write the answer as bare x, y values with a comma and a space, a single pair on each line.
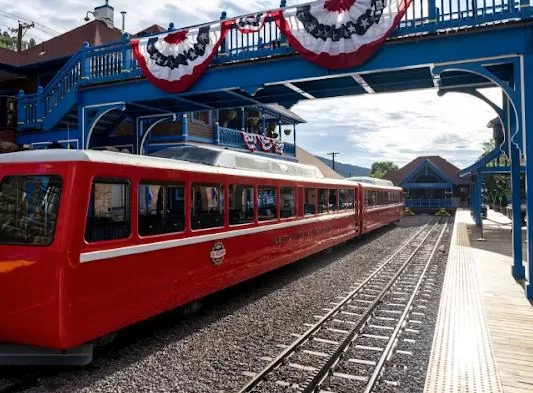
28, 209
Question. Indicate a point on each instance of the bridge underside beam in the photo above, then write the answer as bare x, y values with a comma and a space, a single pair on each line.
399, 65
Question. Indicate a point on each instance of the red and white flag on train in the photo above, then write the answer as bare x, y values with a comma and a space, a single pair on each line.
251, 23
174, 61
340, 33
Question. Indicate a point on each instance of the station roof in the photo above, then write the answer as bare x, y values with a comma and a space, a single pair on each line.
446, 167
95, 33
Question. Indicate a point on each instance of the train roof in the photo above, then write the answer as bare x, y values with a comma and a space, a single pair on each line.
279, 169
231, 159
282, 170
371, 180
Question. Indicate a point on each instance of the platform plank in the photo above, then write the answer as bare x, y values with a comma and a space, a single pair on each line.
508, 313
462, 358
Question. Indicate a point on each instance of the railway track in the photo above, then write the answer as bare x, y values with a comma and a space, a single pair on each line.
348, 348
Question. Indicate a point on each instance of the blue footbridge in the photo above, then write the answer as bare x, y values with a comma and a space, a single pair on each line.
452, 46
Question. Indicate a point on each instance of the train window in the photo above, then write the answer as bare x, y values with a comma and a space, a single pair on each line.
310, 201
28, 209
266, 203
333, 200
161, 209
322, 200
241, 204
108, 217
288, 202
346, 199
207, 206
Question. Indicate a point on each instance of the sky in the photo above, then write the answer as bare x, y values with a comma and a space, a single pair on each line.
397, 127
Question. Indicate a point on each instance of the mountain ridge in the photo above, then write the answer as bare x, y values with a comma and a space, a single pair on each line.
346, 170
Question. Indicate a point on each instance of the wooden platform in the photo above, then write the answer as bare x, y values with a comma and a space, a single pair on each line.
484, 336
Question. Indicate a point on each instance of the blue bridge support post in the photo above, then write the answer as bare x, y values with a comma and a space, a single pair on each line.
518, 270
477, 199
526, 68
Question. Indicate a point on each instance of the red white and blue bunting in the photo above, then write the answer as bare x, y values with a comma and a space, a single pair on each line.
335, 34
249, 141
174, 61
340, 33
266, 144
251, 23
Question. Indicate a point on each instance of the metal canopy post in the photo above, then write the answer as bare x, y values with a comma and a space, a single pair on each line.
526, 67
477, 198
518, 270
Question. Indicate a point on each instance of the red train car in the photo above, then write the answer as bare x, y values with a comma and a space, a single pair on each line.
91, 242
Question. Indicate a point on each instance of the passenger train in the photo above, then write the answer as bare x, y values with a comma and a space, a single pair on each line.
94, 241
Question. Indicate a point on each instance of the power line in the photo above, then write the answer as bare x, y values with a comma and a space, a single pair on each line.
333, 154
43, 28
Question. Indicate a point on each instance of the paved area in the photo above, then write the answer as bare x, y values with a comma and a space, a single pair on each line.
484, 336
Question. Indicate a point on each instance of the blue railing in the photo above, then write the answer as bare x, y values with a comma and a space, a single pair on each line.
230, 138
115, 62
429, 203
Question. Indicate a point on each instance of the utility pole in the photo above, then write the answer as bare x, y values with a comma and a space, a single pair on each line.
21, 30
333, 154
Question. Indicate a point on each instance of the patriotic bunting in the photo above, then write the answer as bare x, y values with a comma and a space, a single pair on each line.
340, 33
278, 146
175, 60
335, 34
249, 141
252, 23
264, 142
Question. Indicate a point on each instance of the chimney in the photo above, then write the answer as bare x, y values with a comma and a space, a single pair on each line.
105, 13
123, 21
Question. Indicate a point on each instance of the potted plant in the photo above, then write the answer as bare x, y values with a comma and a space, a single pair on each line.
287, 131
230, 115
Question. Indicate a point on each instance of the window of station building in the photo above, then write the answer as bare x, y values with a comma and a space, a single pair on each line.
323, 200
241, 204
333, 200
29, 206
108, 217
207, 201
201, 117
161, 208
310, 201
288, 202
346, 199
266, 203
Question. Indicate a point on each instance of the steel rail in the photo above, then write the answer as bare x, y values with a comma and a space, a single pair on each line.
259, 377
392, 341
321, 375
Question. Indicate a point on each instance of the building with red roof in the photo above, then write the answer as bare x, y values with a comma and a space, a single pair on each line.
431, 183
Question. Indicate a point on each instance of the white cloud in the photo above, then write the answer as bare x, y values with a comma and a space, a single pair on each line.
364, 129
400, 126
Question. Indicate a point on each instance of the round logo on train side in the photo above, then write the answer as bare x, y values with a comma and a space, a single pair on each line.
218, 252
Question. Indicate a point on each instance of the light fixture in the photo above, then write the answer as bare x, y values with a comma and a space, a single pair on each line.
86, 19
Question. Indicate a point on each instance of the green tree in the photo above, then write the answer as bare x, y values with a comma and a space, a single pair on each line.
497, 187
380, 169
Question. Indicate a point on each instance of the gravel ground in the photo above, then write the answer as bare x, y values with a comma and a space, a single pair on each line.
212, 350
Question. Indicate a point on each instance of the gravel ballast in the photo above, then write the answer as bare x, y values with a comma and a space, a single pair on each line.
237, 330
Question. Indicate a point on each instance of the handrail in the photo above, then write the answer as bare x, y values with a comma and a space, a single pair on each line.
115, 61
